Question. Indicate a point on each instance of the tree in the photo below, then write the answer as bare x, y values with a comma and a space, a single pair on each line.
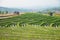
6, 12
0, 12
50, 13
16, 12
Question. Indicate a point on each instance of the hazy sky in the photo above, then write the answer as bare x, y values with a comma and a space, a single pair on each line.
29, 3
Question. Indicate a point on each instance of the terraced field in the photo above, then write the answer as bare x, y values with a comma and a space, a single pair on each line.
31, 19
30, 26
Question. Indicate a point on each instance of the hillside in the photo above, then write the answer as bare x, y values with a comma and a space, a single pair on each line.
9, 9
30, 26
14, 9
31, 19
29, 10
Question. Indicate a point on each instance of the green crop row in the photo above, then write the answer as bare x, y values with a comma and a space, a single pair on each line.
31, 19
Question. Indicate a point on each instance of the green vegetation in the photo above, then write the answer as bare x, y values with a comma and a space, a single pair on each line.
30, 26
29, 32
31, 19
3, 12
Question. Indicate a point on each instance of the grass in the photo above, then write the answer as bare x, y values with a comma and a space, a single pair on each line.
29, 32
31, 18
33, 30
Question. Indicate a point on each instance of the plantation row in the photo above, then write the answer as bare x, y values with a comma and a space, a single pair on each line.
31, 19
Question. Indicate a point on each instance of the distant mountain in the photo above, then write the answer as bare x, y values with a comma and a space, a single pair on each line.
28, 10
8, 9
13, 9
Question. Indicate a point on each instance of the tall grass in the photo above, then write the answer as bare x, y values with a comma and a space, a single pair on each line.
29, 32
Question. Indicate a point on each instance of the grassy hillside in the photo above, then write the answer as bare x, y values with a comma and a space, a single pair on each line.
29, 32
31, 19
30, 26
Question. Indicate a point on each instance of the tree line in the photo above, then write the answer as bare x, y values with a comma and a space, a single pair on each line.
17, 12
3, 12
6, 12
